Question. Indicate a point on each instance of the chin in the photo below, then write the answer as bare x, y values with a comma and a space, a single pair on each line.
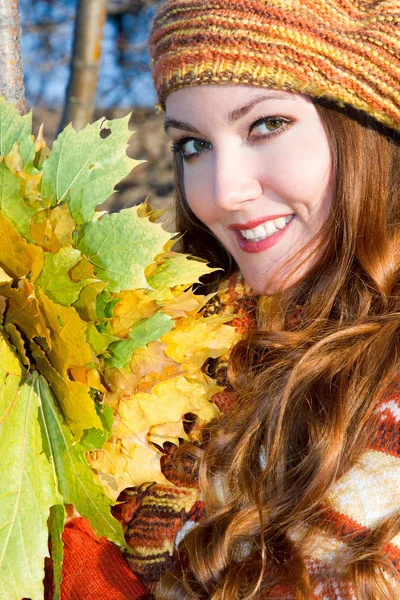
269, 285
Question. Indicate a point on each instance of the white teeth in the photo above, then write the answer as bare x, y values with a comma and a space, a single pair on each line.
270, 227
280, 223
266, 229
258, 231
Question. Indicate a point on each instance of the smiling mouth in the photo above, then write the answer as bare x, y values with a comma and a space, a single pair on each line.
265, 230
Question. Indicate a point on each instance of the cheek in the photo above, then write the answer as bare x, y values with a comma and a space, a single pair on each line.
198, 196
307, 172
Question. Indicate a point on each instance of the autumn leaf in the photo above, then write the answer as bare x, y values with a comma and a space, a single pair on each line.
56, 527
17, 257
177, 269
141, 334
132, 306
196, 339
12, 204
55, 279
74, 398
25, 498
74, 476
84, 166
52, 229
120, 246
16, 128
23, 310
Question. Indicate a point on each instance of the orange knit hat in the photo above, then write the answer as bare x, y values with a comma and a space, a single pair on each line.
343, 50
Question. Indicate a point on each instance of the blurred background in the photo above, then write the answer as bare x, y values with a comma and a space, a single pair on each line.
124, 82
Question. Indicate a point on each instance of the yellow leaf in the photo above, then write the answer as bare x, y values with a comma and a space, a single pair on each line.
168, 432
132, 424
184, 303
52, 229
17, 257
151, 359
145, 210
73, 397
133, 306
30, 181
86, 303
117, 471
18, 343
14, 160
194, 340
40, 142
23, 310
171, 399
93, 380
4, 278
69, 348
89, 377
120, 382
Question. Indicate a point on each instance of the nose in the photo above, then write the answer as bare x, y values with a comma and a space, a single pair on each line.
235, 182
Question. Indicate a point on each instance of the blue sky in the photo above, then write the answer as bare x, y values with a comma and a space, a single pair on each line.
47, 37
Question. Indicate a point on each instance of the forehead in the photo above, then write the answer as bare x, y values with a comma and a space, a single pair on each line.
230, 102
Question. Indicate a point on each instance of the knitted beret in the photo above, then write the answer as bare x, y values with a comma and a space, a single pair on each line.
347, 51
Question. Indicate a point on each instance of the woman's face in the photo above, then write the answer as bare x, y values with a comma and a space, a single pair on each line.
257, 172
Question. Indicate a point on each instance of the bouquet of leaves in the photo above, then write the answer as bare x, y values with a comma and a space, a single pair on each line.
102, 341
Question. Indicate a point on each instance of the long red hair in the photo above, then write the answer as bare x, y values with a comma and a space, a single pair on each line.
307, 381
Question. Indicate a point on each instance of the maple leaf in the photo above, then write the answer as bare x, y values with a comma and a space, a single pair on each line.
120, 246
196, 339
12, 204
18, 257
84, 166
14, 128
54, 278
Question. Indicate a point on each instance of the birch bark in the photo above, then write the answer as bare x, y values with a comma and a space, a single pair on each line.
11, 71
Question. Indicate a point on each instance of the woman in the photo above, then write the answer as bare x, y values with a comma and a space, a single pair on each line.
285, 120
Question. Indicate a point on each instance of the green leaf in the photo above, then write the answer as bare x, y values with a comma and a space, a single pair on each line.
25, 498
54, 279
57, 520
120, 246
16, 128
141, 334
99, 342
84, 166
105, 304
178, 269
12, 204
75, 478
94, 439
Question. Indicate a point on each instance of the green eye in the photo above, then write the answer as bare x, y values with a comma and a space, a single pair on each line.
195, 146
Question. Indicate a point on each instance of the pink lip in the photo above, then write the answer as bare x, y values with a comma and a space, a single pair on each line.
253, 247
252, 224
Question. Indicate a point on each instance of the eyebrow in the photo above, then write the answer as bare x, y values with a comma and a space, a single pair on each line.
233, 116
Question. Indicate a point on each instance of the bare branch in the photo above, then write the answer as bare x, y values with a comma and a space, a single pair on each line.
11, 71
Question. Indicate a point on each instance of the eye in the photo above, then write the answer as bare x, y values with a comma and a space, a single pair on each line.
189, 147
267, 126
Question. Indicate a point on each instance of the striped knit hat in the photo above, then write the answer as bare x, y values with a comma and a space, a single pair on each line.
344, 50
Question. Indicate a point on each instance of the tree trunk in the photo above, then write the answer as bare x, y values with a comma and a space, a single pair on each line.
82, 86
11, 71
